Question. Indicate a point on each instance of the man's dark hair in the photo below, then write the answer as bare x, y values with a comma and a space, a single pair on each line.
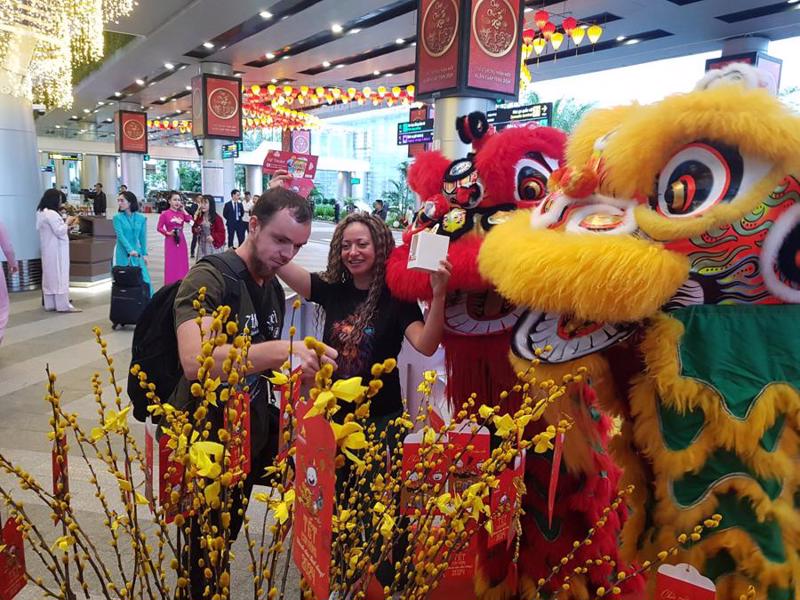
132, 200
51, 199
379, 200
278, 198
100, 185
234, 192
123, 186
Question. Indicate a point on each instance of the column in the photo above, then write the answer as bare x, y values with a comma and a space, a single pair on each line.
344, 189
46, 176
218, 174
173, 178
62, 175
107, 175
254, 179
90, 171
447, 110
132, 164
20, 184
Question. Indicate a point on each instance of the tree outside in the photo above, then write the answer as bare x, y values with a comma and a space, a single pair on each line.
189, 176
567, 112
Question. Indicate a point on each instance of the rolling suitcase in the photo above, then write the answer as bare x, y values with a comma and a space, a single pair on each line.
129, 295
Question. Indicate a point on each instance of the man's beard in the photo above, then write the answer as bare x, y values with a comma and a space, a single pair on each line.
261, 268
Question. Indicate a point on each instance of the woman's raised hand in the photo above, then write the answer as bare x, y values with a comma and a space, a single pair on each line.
439, 279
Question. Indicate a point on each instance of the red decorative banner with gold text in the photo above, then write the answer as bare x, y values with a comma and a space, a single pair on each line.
223, 107
494, 52
437, 45
131, 132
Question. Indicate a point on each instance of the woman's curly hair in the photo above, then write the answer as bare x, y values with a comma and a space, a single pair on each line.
336, 272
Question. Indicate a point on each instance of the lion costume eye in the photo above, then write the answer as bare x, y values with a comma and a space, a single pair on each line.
532, 174
702, 175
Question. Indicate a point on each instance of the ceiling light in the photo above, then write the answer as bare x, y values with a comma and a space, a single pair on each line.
620, 38
169, 66
182, 67
528, 9
75, 117
273, 80
792, 1
100, 103
339, 66
326, 64
336, 28
152, 83
265, 14
399, 41
82, 131
86, 110
354, 31
285, 57
376, 72
177, 112
208, 45
388, 74
238, 74
108, 120
188, 88
140, 82
58, 126
117, 94
270, 56
632, 41
163, 99
141, 108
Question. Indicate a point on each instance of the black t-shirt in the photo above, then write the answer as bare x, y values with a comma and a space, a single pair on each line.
381, 340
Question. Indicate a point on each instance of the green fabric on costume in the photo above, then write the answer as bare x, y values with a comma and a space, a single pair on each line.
679, 430
725, 347
769, 441
722, 464
737, 512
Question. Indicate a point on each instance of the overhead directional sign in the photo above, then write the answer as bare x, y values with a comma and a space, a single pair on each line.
541, 113
60, 156
230, 150
415, 132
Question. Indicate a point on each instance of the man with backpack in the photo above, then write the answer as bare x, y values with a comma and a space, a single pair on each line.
280, 224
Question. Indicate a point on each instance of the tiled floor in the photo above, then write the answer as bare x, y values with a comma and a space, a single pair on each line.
35, 339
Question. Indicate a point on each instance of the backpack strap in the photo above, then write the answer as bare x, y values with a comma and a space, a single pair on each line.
234, 273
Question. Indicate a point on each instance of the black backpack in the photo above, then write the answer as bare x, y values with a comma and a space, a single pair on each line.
155, 345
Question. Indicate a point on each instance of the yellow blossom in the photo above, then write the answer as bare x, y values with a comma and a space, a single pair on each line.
485, 411
114, 421
278, 378
283, 507
141, 499
430, 376
387, 526
63, 543
348, 390
504, 425
325, 400
200, 454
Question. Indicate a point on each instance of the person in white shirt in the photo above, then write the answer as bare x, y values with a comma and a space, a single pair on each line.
54, 241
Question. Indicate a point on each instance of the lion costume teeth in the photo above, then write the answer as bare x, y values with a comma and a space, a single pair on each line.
707, 385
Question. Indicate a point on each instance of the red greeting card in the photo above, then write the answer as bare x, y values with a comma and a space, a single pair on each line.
298, 165
239, 447
468, 463
683, 582
505, 501
170, 479
411, 498
12, 562
315, 485
462, 564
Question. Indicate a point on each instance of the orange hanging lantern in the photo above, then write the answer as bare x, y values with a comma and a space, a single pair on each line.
303, 90
540, 18
594, 32
556, 40
351, 92
396, 91
539, 45
271, 89
577, 35
410, 90
569, 24
381, 91
548, 30
336, 92
367, 91
149, 123
528, 35
287, 90
320, 92
256, 89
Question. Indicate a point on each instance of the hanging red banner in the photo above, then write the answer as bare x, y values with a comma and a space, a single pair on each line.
437, 49
217, 107
131, 131
494, 54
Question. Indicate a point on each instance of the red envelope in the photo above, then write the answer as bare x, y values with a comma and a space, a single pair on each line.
683, 582
504, 502
462, 564
12, 562
409, 499
167, 483
315, 489
468, 463
239, 450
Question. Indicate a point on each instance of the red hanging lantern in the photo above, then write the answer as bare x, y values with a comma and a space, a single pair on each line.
569, 24
528, 35
540, 18
548, 30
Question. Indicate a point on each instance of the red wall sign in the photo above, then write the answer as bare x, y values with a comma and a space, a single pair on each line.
217, 107
438, 32
131, 131
494, 53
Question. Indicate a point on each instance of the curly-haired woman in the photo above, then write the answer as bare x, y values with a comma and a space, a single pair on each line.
363, 322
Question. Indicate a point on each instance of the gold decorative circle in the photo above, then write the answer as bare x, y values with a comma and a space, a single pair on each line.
133, 129
439, 27
223, 103
493, 41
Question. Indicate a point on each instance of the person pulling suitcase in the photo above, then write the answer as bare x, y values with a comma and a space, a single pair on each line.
131, 281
